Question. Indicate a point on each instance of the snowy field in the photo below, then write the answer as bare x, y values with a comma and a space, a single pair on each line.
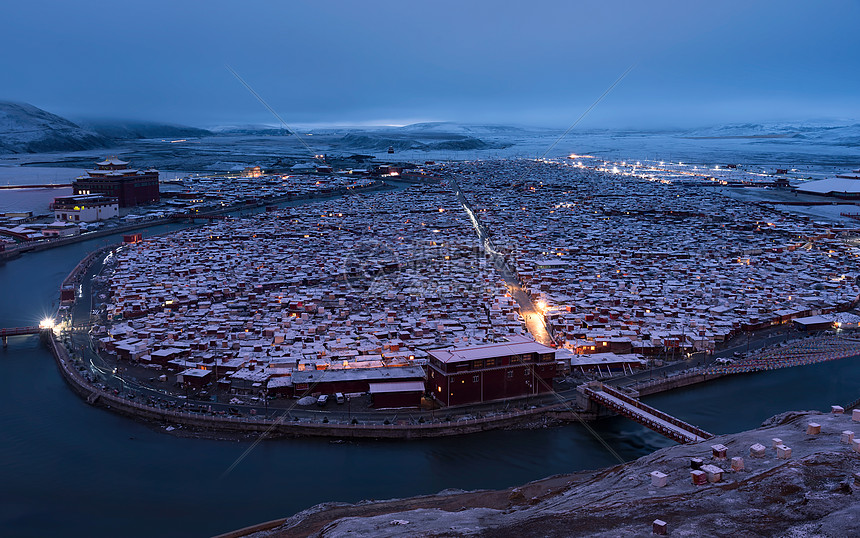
811, 152
828, 213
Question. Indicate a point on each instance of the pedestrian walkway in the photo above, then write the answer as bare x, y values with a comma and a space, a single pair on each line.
644, 414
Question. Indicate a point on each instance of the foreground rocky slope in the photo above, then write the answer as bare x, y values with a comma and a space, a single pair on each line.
813, 493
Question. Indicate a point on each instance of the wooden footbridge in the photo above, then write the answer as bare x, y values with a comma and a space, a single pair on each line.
17, 331
628, 406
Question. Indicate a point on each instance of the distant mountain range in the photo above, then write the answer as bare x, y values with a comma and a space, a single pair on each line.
845, 134
25, 128
136, 130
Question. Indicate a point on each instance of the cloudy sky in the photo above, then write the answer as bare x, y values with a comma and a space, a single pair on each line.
354, 62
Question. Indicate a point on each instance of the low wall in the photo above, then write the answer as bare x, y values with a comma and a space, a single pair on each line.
669, 383
286, 428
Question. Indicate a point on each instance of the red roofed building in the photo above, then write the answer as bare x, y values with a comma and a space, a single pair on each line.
474, 374
112, 177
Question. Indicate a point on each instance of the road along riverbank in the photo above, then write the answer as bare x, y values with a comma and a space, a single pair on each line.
283, 426
301, 423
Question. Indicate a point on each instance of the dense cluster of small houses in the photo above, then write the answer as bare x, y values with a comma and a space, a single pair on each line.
654, 264
326, 297
196, 193
338, 295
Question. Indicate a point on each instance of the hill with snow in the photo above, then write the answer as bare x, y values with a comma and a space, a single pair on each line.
137, 130
28, 129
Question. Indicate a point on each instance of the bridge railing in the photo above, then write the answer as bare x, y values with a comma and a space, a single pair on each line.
636, 404
656, 412
15, 331
674, 434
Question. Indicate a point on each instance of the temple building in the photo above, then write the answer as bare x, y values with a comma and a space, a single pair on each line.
112, 177
475, 374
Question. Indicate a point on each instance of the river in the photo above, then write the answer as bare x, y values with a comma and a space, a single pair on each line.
72, 469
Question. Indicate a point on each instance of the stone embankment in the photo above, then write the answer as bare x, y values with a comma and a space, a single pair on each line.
284, 427
653, 386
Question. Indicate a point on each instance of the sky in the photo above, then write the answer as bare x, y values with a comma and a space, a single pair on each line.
471, 61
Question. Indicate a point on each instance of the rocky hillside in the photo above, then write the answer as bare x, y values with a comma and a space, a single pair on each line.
813, 493
27, 129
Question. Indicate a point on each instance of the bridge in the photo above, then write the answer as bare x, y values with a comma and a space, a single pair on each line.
17, 331
627, 406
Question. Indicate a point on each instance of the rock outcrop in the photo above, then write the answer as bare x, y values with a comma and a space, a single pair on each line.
814, 492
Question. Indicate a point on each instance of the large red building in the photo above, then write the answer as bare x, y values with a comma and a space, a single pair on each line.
474, 374
112, 177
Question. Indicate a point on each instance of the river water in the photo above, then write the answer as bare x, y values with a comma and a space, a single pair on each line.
72, 469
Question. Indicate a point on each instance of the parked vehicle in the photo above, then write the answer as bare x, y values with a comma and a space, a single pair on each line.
322, 400
339, 397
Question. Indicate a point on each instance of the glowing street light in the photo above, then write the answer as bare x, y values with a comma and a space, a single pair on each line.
47, 323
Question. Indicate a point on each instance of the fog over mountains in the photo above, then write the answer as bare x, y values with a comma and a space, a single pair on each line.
26, 129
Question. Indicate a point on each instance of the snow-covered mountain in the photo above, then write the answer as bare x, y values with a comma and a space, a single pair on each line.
136, 130
28, 129
840, 134
463, 128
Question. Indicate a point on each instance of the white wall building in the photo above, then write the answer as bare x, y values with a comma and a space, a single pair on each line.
85, 208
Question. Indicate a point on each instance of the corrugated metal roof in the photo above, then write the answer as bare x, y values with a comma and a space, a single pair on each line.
397, 386
472, 353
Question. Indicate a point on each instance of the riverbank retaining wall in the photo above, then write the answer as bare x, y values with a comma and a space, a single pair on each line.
560, 412
675, 382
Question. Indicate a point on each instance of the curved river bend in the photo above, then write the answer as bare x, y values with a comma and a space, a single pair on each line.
72, 469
